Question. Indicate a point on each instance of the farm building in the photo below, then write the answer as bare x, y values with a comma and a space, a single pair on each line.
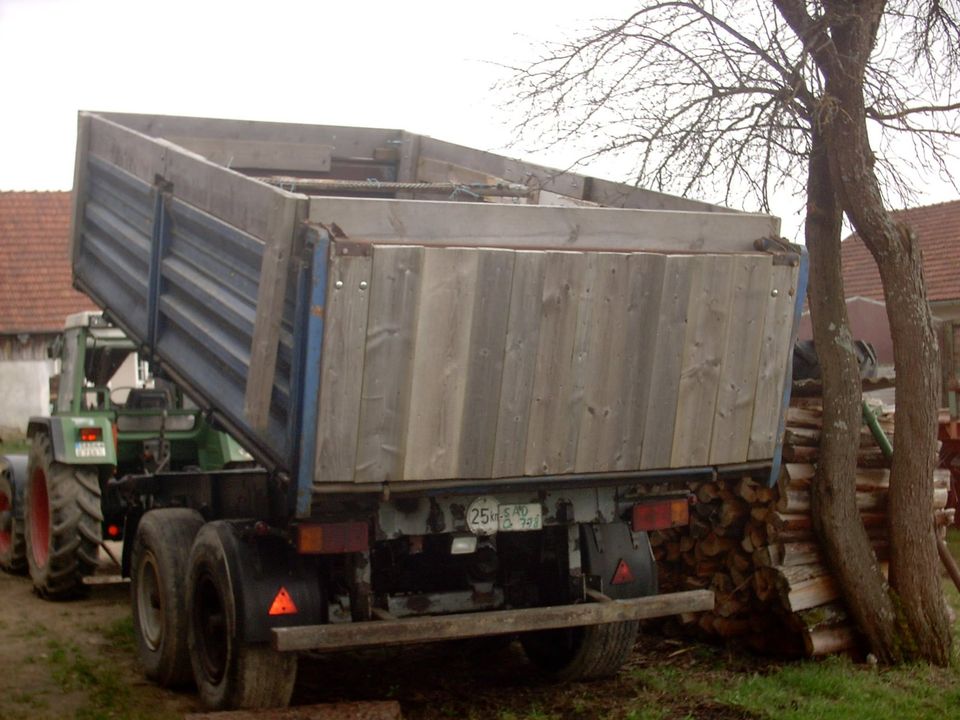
938, 227
35, 297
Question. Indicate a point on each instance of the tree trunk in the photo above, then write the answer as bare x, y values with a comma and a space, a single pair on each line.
834, 506
914, 566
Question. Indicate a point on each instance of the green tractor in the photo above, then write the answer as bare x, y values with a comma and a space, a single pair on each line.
109, 421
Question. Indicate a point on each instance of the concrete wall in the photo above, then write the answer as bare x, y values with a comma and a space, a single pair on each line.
24, 391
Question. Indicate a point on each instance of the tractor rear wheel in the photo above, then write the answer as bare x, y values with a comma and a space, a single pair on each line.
13, 544
62, 517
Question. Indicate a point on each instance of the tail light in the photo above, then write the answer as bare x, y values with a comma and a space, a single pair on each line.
332, 538
661, 514
90, 434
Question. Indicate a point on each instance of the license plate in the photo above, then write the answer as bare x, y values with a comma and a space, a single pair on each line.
514, 518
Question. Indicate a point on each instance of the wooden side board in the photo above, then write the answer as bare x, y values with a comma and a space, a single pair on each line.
440, 223
484, 363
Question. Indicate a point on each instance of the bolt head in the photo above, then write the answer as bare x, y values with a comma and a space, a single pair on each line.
774, 292
363, 284
338, 284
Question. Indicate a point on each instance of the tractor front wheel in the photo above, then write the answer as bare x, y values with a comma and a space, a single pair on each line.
62, 518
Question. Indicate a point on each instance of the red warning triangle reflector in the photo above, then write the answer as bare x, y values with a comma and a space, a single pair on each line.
283, 604
622, 575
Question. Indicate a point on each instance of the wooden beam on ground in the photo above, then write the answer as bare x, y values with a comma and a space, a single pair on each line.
501, 622
372, 710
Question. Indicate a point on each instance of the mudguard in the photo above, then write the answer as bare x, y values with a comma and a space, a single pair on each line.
67, 448
259, 568
606, 548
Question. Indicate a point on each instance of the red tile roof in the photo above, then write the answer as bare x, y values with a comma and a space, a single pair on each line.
938, 230
36, 293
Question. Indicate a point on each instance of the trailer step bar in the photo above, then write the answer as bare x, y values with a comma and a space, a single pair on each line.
328, 638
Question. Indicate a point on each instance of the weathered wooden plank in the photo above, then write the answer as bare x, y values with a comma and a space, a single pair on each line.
647, 271
491, 312
499, 622
348, 141
707, 319
775, 349
603, 407
534, 226
252, 206
388, 364
661, 413
552, 434
271, 292
354, 709
341, 375
260, 154
741, 359
519, 363
441, 357
432, 170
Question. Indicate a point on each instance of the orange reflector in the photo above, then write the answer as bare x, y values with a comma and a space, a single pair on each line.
622, 575
113, 530
90, 434
283, 604
661, 514
332, 538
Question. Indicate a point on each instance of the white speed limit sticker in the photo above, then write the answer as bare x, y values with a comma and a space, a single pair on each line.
483, 516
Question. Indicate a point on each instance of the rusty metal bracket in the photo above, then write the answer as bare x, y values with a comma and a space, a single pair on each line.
784, 253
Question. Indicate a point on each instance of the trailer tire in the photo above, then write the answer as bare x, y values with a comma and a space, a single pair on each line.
581, 653
13, 543
62, 518
229, 673
161, 549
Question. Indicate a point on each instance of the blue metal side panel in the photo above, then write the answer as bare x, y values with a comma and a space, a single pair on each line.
803, 275
113, 258
184, 284
311, 376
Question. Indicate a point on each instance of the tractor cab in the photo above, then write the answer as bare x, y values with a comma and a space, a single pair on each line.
154, 425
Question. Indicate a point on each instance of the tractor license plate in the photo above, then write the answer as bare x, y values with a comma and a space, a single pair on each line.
90, 450
515, 518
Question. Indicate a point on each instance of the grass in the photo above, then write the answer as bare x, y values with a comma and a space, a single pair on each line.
707, 683
102, 684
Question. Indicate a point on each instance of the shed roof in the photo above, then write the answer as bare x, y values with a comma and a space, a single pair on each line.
938, 229
36, 292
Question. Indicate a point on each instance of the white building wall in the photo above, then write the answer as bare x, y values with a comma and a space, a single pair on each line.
24, 391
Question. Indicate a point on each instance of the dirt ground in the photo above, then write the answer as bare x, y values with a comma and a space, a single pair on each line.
76, 660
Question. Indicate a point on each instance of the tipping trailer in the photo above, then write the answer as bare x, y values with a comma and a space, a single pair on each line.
474, 386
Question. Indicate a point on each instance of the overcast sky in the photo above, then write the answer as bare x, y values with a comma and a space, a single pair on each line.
420, 65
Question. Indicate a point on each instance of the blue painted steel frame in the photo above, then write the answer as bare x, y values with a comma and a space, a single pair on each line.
308, 377
803, 276
158, 245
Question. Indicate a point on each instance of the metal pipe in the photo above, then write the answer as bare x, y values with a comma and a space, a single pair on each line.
878, 434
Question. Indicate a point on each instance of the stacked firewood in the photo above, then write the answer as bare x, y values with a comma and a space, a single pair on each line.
755, 547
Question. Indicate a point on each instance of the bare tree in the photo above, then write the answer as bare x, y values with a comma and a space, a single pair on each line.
747, 97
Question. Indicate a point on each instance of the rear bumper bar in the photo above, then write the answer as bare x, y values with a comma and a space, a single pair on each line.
379, 633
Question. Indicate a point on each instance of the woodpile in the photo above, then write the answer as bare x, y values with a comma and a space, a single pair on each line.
755, 547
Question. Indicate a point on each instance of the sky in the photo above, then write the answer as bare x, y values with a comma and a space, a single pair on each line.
420, 65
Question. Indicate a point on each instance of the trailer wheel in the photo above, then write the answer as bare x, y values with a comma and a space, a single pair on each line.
229, 672
13, 544
63, 518
161, 550
581, 653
